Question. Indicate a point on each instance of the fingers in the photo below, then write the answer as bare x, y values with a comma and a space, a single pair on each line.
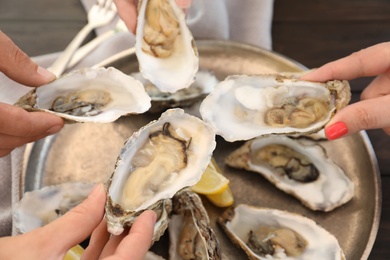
137, 243
127, 10
380, 86
98, 240
12, 59
371, 61
15, 121
77, 224
366, 114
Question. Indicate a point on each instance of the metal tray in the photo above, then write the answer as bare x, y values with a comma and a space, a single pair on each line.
87, 152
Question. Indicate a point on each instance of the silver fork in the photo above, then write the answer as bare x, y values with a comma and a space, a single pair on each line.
101, 13
90, 46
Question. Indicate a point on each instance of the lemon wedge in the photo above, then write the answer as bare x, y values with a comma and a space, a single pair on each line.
223, 199
212, 181
74, 253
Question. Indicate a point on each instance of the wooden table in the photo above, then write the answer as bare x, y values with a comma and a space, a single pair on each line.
311, 32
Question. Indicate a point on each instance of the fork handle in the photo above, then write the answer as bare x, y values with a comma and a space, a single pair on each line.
88, 47
59, 65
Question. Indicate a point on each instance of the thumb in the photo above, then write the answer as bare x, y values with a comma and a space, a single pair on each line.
366, 114
18, 66
78, 223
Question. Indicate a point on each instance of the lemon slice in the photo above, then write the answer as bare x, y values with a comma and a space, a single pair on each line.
74, 253
223, 199
212, 181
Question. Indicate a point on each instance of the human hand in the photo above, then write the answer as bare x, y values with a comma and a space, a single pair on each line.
127, 10
18, 126
370, 112
55, 239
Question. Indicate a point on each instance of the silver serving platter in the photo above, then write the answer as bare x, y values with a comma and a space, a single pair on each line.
87, 152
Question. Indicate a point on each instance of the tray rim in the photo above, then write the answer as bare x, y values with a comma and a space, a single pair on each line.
44, 145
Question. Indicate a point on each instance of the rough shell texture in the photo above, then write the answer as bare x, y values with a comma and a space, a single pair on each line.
238, 221
237, 107
203, 85
188, 202
330, 190
199, 148
126, 95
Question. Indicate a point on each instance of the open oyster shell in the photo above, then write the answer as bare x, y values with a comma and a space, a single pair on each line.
190, 232
203, 85
160, 159
40, 207
165, 48
89, 95
298, 167
265, 233
243, 107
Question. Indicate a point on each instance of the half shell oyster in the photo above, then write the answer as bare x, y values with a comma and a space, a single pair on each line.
243, 107
165, 48
199, 89
159, 160
89, 95
298, 167
40, 207
265, 233
190, 232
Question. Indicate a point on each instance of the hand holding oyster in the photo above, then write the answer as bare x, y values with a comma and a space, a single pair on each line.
243, 107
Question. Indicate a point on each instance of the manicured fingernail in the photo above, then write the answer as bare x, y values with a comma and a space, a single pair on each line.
54, 129
184, 3
336, 130
46, 74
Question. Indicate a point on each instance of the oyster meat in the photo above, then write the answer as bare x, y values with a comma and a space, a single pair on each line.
40, 207
190, 232
160, 159
265, 233
165, 48
203, 84
243, 107
299, 167
89, 95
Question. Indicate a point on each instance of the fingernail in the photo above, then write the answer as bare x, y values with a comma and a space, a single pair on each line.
184, 3
336, 130
46, 74
96, 190
54, 129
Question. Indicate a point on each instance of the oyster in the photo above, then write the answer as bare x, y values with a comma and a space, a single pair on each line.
164, 45
89, 95
274, 234
40, 207
243, 107
160, 159
190, 232
298, 167
203, 84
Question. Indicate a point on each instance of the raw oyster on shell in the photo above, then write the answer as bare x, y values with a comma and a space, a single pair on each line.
190, 232
98, 95
159, 160
40, 207
203, 84
299, 167
165, 48
243, 107
265, 233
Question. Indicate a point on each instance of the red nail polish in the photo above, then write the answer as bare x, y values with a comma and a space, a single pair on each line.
336, 130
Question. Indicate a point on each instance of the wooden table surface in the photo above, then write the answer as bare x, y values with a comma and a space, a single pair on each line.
311, 32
